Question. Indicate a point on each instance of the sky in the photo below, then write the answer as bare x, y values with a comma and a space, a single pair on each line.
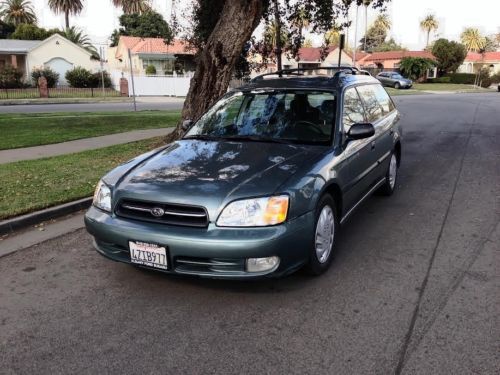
99, 18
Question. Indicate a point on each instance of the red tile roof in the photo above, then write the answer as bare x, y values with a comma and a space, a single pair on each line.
487, 56
398, 55
312, 54
154, 46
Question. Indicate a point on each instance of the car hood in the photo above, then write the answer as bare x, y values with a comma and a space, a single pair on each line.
211, 174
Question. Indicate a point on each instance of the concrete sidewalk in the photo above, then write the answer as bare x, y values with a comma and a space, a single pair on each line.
38, 152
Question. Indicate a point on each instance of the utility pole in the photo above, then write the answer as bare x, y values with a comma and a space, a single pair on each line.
132, 79
278, 35
355, 38
101, 53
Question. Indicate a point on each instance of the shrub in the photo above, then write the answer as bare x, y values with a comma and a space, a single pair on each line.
79, 77
51, 76
415, 67
11, 78
82, 78
439, 80
495, 78
465, 78
484, 78
151, 70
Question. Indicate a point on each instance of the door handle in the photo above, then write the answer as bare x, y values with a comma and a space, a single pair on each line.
373, 145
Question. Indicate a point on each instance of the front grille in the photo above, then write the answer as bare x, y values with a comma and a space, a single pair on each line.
207, 265
166, 213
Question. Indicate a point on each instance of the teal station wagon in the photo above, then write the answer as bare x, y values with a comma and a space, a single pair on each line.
260, 185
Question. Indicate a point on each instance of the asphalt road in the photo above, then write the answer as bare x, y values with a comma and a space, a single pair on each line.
413, 289
143, 104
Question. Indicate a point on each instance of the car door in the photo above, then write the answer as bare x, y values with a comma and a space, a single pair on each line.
382, 77
380, 113
355, 169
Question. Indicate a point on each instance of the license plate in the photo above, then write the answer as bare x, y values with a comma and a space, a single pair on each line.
147, 254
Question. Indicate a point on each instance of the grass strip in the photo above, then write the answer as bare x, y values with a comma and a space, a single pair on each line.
32, 185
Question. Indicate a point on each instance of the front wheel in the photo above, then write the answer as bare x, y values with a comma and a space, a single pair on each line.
391, 177
325, 234
397, 86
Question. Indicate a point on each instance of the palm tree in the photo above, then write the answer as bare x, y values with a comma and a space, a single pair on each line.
472, 39
67, 7
366, 4
428, 24
17, 11
301, 20
77, 36
332, 37
383, 22
133, 6
271, 33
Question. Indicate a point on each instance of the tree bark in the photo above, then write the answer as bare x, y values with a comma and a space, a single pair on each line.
217, 60
66, 17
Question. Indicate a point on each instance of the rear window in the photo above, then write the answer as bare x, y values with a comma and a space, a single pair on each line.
377, 102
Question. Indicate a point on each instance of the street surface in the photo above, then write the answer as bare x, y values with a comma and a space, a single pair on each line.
413, 288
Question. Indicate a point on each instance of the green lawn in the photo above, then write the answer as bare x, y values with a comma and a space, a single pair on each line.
421, 88
25, 130
36, 184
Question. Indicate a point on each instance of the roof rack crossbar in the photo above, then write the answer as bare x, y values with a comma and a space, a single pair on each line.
299, 71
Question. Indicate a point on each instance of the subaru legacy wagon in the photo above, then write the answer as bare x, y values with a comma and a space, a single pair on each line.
259, 185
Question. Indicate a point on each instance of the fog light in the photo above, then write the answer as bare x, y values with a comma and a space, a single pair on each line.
262, 264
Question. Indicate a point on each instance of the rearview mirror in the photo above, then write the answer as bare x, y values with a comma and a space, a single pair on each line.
360, 131
186, 124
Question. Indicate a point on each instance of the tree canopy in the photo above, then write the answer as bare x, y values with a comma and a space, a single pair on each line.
473, 40
67, 7
376, 34
26, 31
146, 25
449, 54
429, 24
16, 12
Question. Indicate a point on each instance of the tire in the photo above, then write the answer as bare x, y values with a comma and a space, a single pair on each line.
321, 254
391, 177
397, 86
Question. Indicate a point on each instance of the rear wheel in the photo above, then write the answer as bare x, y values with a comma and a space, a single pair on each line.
324, 236
391, 177
397, 86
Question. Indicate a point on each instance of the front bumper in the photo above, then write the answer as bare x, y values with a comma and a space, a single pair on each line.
209, 252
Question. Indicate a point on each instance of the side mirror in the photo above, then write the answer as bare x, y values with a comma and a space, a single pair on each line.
186, 124
360, 131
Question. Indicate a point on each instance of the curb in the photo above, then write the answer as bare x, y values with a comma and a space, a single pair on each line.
21, 222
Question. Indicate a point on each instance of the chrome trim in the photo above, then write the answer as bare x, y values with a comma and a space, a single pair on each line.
370, 192
174, 213
208, 263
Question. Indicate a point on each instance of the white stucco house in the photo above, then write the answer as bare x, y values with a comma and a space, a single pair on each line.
55, 52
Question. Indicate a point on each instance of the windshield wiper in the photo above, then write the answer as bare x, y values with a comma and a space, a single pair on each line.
203, 137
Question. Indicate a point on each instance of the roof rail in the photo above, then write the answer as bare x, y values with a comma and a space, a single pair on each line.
300, 71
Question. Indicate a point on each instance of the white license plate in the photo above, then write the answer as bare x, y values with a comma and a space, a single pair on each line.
148, 254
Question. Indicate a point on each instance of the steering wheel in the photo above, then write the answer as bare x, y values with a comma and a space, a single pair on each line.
315, 127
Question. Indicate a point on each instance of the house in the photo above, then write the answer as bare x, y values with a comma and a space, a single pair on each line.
315, 57
474, 62
55, 52
166, 58
390, 59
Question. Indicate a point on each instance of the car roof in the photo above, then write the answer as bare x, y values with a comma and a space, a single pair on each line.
272, 81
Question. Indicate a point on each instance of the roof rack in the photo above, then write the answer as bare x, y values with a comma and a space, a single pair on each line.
300, 71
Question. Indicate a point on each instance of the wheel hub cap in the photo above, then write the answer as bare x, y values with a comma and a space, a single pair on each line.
325, 230
393, 170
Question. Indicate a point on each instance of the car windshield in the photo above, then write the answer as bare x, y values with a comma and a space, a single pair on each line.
397, 76
277, 116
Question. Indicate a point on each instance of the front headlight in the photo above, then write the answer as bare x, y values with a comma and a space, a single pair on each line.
258, 212
102, 197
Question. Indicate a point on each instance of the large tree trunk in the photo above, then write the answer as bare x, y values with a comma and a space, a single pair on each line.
66, 18
217, 60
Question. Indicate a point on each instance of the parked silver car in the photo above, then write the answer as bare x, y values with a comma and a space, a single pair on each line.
394, 79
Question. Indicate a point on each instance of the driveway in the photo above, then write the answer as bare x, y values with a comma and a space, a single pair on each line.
413, 288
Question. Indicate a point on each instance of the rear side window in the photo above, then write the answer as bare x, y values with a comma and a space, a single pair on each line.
353, 109
377, 102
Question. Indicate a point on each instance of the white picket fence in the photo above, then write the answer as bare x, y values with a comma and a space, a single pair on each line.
154, 85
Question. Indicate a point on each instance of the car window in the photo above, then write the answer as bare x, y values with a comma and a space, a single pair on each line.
377, 102
293, 115
353, 111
